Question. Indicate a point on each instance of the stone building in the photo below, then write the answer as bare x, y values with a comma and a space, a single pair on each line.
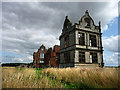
81, 44
46, 58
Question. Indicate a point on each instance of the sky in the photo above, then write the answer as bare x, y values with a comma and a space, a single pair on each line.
28, 25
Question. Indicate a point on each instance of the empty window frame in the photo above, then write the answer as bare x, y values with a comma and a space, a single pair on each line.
42, 49
87, 21
41, 55
41, 61
93, 57
67, 57
81, 37
67, 41
93, 41
82, 57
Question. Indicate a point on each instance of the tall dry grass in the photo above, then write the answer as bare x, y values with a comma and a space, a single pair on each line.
85, 77
59, 78
26, 78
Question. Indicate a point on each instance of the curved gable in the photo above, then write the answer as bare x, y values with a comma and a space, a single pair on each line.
86, 21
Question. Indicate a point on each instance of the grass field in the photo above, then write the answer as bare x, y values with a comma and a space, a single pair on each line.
59, 78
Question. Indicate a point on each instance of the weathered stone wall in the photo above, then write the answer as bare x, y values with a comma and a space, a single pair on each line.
72, 56
66, 65
71, 38
61, 57
61, 43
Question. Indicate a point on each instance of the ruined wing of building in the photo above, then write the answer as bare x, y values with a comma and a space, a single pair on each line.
46, 58
81, 44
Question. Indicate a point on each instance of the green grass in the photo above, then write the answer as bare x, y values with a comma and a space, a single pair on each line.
19, 69
40, 75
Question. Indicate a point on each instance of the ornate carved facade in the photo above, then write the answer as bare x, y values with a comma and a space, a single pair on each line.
81, 44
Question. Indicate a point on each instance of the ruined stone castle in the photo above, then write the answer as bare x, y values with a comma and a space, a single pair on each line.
80, 45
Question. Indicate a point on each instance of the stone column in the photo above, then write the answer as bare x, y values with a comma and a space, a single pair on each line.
88, 39
99, 57
85, 38
76, 56
97, 40
76, 38
87, 55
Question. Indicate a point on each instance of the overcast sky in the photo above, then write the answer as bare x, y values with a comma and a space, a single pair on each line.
26, 26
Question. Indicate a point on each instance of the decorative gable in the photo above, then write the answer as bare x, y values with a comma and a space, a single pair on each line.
86, 21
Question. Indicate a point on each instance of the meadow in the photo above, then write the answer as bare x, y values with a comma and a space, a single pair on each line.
59, 77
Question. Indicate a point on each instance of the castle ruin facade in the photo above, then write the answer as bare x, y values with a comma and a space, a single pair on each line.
81, 43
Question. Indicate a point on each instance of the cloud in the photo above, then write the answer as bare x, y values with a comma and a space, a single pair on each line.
99, 11
105, 28
111, 43
17, 59
26, 26
112, 60
14, 59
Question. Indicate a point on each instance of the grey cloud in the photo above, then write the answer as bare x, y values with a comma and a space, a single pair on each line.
27, 17
76, 10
